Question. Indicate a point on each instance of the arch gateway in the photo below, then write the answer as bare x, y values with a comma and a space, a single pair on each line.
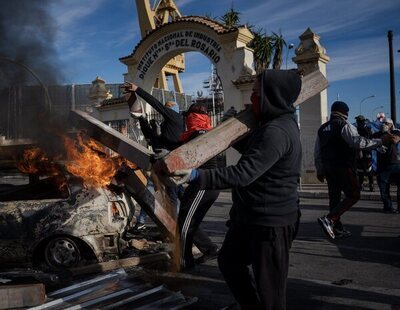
227, 49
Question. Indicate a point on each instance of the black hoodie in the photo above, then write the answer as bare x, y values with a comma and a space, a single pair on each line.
264, 181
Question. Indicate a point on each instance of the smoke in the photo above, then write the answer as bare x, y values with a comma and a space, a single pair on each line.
28, 60
27, 35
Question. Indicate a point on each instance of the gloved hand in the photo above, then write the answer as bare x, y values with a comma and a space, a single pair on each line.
129, 87
180, 177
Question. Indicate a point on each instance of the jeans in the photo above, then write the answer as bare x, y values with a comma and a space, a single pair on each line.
142, 215
384, 179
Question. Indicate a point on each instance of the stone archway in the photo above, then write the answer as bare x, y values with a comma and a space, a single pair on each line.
225, 47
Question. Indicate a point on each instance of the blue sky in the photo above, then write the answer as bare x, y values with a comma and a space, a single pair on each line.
92, 35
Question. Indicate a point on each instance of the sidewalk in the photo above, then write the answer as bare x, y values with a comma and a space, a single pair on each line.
321, 191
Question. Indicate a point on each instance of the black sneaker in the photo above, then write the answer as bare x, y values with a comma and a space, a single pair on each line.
207, 256
327, 226
341, 233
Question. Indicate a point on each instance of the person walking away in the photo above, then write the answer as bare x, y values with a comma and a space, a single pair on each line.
196, 202
265, 212
335, 147
388, 166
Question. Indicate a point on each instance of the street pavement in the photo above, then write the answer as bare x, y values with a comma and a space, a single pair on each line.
360, 272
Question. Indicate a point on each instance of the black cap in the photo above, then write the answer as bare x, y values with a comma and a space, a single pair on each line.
360, 118
340, 106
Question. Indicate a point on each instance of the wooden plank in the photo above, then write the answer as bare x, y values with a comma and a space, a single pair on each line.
135, 181
121, 263
111, 138
154, 207
311, 84
197, 151
22, 295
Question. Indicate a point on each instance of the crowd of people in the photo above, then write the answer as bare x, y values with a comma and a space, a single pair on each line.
263, 221
264, 216
339, 145
344, 151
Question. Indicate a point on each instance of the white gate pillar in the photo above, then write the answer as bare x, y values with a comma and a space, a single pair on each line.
311, 56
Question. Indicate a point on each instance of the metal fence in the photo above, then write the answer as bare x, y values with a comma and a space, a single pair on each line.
215, 110
22, 106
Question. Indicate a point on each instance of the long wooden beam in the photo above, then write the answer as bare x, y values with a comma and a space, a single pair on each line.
198, 151
113, 139
155, 207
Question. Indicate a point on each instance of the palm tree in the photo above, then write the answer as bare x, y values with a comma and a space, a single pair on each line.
266, 48
262, 45
278, 44
231, 18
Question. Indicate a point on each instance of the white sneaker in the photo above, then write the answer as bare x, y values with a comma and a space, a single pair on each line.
327, 226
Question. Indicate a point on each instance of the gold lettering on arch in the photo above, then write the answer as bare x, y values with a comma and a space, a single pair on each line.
190, 40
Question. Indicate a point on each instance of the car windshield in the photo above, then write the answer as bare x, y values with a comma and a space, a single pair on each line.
16, 186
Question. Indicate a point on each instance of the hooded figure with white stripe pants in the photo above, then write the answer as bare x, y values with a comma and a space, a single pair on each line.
172, 135
196, 202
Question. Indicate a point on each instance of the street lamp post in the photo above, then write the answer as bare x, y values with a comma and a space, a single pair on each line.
291, 45
393, 109
372, 96
380, 107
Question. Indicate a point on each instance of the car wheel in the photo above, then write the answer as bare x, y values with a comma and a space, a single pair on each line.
62, 252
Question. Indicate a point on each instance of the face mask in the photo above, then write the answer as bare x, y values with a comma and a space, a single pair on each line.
385, 128
256, 104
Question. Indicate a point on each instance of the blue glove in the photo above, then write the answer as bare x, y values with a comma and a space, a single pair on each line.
194, 176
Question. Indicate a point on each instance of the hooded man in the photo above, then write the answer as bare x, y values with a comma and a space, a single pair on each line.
195, 201
265, 212
335, 159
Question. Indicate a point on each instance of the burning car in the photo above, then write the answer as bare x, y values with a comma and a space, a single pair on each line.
60, 226
62, 214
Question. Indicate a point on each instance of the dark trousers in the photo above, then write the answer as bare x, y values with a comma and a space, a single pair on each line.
174, 193
266, 250
370, 175
385, 177
194, 205
341, 179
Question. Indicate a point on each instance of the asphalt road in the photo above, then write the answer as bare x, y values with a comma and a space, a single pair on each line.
360, 272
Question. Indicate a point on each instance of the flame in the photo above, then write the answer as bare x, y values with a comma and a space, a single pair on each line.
85, 158
88, 159
35, 161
